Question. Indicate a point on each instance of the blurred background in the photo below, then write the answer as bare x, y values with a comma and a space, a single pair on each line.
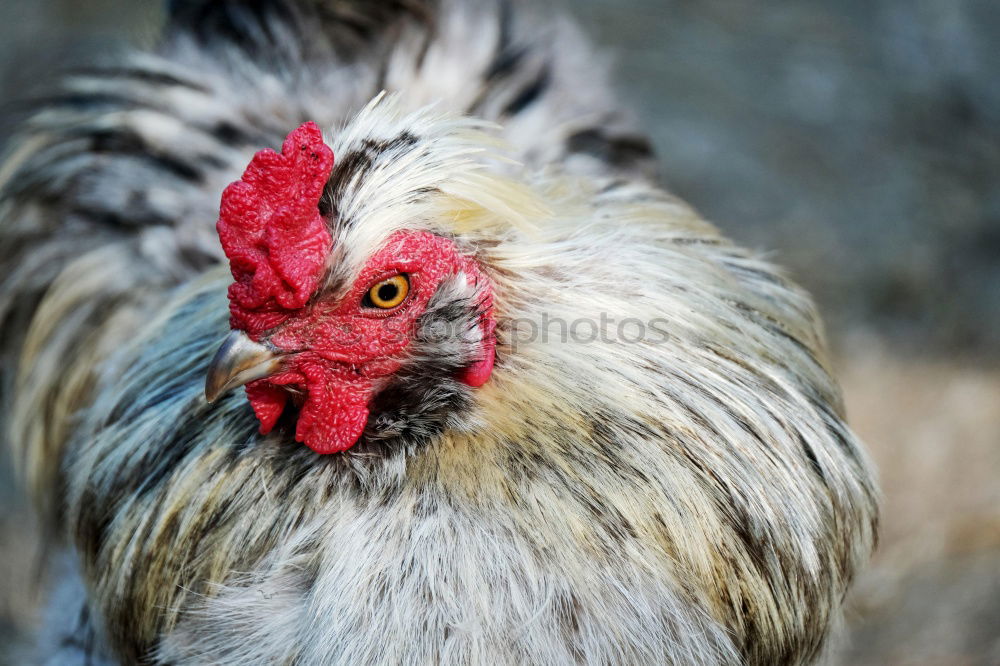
858, 142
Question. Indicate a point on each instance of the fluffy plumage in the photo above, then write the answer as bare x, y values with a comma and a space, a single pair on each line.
693, 497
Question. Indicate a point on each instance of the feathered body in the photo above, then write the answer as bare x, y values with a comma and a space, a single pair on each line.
691, 495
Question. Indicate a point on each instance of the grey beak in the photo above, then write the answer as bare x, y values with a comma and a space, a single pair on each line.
239, 361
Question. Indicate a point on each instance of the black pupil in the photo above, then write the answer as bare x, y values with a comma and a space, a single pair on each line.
387, 292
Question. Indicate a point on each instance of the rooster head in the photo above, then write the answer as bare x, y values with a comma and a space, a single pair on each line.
317, 336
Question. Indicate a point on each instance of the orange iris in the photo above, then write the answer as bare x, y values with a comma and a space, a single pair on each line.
390, 292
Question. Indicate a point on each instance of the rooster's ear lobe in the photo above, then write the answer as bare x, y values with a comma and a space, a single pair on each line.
479, 372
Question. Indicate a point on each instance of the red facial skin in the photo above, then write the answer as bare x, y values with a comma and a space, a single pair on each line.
340, 350
336, 354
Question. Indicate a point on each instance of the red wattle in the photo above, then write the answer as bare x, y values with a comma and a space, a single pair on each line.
336, 411
268, 403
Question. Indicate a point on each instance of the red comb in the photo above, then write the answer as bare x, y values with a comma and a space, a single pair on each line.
272, 232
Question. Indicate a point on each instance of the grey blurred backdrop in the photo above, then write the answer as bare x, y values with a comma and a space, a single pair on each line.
858, 141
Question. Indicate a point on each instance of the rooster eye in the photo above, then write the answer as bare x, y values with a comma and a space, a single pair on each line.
388, 293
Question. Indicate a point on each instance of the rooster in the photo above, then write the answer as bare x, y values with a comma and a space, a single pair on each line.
505, 400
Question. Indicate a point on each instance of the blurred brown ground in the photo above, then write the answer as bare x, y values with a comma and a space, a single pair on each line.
858, 140
932, 593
